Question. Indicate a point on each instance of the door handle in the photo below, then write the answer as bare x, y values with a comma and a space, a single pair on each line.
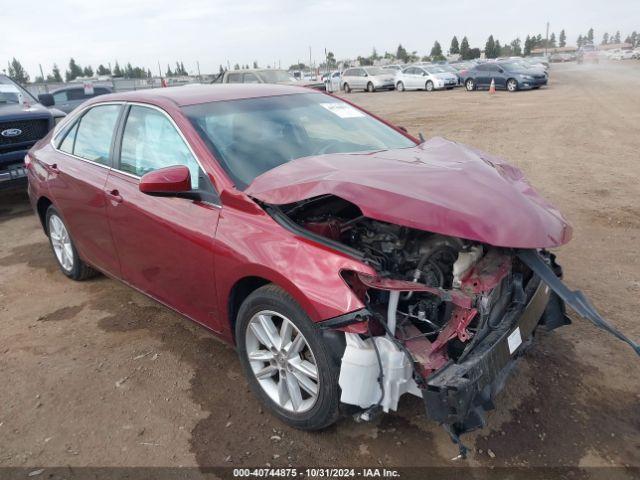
115, 196
53, 168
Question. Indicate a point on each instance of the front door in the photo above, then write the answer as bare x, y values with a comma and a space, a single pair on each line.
164, 243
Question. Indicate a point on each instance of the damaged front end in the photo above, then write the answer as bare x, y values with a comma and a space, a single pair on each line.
445, 317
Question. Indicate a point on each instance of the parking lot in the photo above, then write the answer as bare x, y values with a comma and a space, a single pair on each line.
94, 373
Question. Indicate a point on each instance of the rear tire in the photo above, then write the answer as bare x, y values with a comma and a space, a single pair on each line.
299, 385
470, 84
63, 248
370, 87
400, 87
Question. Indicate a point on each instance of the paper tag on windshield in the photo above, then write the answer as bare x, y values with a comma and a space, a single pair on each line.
514, 340
343, 110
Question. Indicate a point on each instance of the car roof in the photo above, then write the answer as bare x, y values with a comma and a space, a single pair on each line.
196, 94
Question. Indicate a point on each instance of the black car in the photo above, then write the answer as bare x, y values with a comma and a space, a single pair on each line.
507, 76
23, 121
68, 98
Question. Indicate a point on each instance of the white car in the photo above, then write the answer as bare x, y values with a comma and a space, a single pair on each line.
425, 77
624, 55
369, 79
332, 81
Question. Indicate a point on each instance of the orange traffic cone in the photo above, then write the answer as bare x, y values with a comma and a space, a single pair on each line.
492, 87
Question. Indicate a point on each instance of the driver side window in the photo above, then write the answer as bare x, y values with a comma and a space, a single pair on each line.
150, 141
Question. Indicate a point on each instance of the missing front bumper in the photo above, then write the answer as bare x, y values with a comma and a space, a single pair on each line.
458, 394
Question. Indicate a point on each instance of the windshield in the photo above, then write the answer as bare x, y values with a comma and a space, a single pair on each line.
275, 76
376, 71
11, 92
252, 136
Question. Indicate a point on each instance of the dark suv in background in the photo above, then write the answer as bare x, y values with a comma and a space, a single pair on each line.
23, 121
68, 98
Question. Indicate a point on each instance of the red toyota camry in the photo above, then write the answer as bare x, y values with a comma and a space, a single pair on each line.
348, 262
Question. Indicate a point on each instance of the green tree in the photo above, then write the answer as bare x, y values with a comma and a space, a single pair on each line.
516, 48
580, 41
236, 66
490, 47
562, 40
616, 39
464, 49
74, 71
497, 49
374, 55
255, 64
87, 71
436, 51
605, 39
117, 71
55, 74
552, 41
102, 70
17, 72
527, 46
401, 54
455, 46
590, 35
331, 60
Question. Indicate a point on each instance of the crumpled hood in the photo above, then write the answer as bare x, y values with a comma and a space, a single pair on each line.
438, 186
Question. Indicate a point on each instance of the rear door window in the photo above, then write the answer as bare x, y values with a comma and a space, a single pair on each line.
234, 78
95, 133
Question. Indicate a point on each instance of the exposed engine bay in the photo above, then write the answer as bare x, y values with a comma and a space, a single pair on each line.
444, 316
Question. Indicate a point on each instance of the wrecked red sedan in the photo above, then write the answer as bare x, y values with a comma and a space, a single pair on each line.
349, 262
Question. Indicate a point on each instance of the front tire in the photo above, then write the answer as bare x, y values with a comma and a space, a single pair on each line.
288, 365
429, 86
63, 248
512, 85
346, 88
370, 87
470, 84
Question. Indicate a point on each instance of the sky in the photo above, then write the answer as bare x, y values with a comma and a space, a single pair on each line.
280, 32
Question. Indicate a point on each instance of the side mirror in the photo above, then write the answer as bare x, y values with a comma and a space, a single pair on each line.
501, 70
424, 74
46, 99
174, 181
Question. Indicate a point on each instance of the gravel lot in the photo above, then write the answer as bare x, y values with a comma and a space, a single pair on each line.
94, 373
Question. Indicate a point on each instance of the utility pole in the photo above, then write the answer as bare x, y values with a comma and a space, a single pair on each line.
198, 64
46, 88
546, 42
309, 57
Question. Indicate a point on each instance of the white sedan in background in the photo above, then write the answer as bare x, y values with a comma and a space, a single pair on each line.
429, 78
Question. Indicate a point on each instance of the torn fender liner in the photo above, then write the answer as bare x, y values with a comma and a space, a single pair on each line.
575, 299
438, 186
458, 394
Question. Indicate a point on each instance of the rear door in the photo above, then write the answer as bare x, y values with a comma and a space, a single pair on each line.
78, 171
164, 243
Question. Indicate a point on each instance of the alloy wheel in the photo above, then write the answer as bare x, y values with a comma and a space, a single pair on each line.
61, 242
512, 85
429, 86
400, 87
282, 361
470, 85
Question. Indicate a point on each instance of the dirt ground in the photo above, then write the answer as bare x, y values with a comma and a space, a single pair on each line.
94, 373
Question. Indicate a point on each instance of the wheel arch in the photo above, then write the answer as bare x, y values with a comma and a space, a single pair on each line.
247, 284
42, 206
